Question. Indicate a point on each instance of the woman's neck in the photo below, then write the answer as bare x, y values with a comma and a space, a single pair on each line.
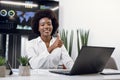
46, 38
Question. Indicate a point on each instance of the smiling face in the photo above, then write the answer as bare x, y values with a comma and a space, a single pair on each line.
45, 27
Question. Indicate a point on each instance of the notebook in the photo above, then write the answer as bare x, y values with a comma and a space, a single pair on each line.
91, 59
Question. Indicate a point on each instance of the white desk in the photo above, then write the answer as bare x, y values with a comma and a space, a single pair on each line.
39, 74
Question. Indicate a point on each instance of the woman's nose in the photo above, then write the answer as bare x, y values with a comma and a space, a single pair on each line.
46, 26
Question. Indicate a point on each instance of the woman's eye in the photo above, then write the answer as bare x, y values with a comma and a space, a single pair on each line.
42, 25
49, 24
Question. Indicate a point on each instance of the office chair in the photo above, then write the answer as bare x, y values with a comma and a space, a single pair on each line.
111, 64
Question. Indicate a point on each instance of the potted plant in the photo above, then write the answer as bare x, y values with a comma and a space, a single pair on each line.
2, 67
24, 68
64, 37
84, 35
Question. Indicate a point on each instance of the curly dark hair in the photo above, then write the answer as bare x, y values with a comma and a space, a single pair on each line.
41, 14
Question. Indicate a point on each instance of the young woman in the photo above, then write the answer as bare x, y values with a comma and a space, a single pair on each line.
46, 51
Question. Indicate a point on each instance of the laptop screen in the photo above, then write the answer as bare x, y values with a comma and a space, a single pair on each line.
91, 59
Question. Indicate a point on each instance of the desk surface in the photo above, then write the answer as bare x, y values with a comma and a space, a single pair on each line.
40, 74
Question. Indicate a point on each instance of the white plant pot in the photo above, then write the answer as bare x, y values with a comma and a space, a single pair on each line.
24, 70
2, 71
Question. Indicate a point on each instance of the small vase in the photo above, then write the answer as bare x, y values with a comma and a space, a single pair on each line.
24, 70
2, 71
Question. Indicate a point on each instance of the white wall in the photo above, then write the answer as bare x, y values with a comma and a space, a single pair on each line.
102, 17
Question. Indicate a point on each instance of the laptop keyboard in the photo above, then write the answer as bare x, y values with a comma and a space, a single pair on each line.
61, 71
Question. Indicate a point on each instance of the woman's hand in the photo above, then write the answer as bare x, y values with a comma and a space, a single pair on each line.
58, 43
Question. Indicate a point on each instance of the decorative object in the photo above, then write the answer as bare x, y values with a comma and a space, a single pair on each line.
64, 37
84, 34
24, 68
2, 67
71, 42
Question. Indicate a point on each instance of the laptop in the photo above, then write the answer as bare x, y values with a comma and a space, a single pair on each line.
91, 59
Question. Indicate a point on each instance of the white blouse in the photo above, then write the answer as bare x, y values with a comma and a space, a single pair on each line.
39, 56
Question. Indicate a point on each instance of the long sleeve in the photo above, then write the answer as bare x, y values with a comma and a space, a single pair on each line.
66, 59
37, 54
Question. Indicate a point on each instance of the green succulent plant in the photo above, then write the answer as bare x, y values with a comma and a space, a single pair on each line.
2, 61
64, 38
24, 60
64, 35
84, 34
78, 41
71, 43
